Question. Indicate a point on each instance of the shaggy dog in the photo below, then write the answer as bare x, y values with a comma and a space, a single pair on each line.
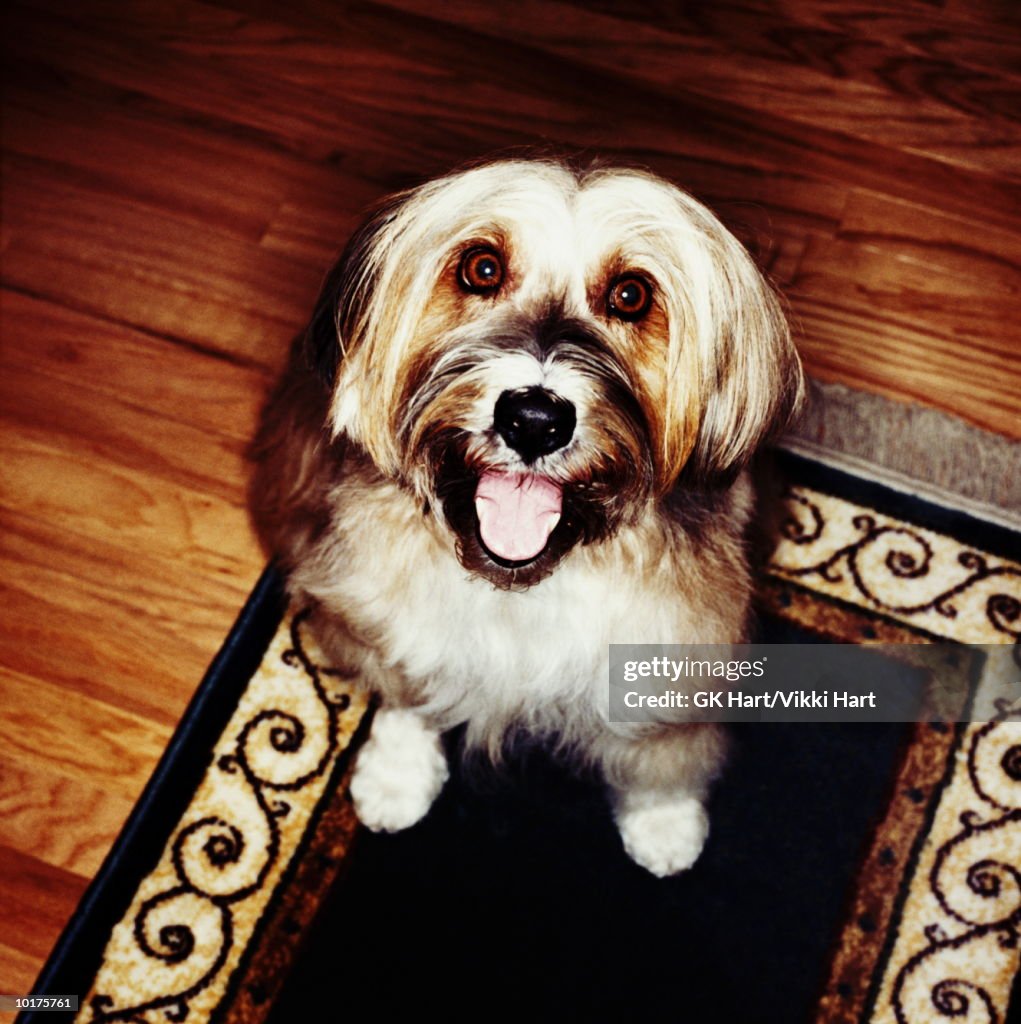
515, 433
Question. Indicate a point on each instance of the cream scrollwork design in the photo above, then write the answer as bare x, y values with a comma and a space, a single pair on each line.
976, 877
976, 881
183, 933
953, 978
895, 568
994, 761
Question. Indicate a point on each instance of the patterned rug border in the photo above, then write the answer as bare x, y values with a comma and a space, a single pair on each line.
950, 903
174, 953
280, 917
910, 871
875, 618
78, 952
945, 583
962, 526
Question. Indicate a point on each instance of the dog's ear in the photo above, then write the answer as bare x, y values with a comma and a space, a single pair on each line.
752, 380
346, 292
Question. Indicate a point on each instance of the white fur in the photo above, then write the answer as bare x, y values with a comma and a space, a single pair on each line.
399, 773
664, 832
489, 657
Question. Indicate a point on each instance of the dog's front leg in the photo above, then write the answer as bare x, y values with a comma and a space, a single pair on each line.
658, 785
399, 772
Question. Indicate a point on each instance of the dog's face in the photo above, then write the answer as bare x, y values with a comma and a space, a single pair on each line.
539, 355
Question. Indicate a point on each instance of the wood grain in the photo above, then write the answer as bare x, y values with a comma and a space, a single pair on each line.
63, 821
177, 177
37, 896
109, 366
44, 728
20, 967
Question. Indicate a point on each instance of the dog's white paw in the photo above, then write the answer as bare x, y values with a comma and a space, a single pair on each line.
399, 772
663, 835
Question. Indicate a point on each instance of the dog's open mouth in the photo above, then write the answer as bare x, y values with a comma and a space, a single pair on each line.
517, 513
513, 528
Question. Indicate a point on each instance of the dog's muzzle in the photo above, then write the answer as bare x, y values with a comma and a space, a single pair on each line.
519, 493
518, 512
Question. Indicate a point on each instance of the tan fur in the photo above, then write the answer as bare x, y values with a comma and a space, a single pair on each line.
363, 483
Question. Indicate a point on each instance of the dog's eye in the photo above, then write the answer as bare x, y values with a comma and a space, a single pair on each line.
481, 272
629, 298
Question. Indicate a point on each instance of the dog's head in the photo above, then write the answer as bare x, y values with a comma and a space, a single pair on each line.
540, 354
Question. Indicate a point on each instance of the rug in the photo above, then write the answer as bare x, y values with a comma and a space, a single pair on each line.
853, 873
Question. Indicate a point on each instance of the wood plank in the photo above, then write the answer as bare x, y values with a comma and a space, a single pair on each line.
118, 368
120, 627
984, 35
18, 970
950, 306
37, 899
661, 119
129, 436
150, 268
388, 101
67, 823
831, 77
111, 153
983, 253
43, 730
313, 234
841, 343
103, 500
132, 56
153, 153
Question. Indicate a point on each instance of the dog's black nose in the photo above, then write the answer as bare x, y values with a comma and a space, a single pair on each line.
533, 421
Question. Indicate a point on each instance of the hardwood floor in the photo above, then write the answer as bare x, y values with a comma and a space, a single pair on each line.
178, 175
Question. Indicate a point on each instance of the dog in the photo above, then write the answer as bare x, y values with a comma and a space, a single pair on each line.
516, 431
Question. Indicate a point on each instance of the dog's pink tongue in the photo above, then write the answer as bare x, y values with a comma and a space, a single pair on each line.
517, 513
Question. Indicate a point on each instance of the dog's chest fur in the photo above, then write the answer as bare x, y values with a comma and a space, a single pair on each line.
453, 643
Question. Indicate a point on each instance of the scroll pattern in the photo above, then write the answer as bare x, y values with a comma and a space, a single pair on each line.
976, 881
182, 937
876, 564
